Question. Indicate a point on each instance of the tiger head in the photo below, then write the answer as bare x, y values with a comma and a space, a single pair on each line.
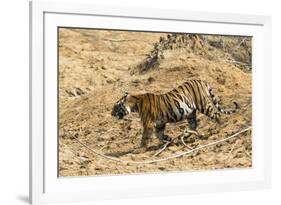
124, 106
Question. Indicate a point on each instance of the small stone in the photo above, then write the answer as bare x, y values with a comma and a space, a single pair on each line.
150, 79
109, 81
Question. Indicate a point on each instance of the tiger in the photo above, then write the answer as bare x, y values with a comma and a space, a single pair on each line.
181, 103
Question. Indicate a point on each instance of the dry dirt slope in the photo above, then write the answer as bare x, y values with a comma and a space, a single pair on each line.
96, 67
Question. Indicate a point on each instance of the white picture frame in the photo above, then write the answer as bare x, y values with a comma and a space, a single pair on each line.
46, 187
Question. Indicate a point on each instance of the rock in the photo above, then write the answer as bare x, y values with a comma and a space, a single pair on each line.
151, 79
70, 93
87, 132
79, 91
221, 80
109, 81
162, 168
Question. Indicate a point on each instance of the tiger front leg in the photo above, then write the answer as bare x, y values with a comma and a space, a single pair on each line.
146, 135
164, 139
160, 128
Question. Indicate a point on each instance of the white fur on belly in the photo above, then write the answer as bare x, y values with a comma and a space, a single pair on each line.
184, 106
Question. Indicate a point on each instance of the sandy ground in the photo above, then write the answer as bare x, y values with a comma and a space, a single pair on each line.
96, 67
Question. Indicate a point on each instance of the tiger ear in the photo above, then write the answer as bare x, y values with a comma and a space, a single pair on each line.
126, 94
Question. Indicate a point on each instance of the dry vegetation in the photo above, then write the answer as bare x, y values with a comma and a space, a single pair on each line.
96, 67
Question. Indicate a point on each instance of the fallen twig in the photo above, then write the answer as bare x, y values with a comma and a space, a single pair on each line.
247, 153
232, 148
118, 40
163, 148
236, 62
182, 140
162, 159
238, 46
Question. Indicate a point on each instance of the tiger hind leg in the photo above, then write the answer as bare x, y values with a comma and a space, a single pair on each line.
192, 124
190, 129
147, 132
191, 119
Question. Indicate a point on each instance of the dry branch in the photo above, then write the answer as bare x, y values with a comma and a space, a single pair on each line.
166, 158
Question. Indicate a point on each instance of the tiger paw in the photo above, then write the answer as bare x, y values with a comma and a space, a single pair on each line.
165, 139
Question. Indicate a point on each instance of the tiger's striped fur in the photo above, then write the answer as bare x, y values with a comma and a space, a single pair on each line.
181, 103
